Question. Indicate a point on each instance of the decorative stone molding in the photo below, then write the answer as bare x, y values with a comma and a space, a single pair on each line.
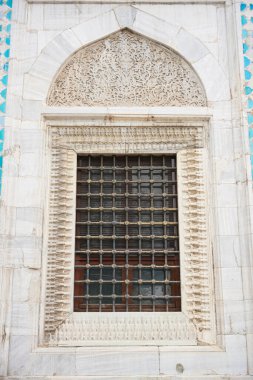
60, 237
127, 139
194, 242
125, 329
126, 69
195, 322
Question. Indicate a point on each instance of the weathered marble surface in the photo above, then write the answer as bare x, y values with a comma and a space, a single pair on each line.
43, 37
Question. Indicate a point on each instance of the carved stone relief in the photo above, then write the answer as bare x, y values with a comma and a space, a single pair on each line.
194, 242
126, 69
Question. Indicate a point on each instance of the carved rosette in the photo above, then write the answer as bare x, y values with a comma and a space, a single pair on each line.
126, 69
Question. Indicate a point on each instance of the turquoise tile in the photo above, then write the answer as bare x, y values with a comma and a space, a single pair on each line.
250, 133
4, 93
245, 33
247, 74
8, 15
7, 53
245, 48
250, 103
2, 134
244, 20
250, 119
248, 90
5, 39
4, 80
3, 107
246, 61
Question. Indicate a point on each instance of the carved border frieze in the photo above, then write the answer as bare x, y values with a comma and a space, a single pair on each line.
194, 242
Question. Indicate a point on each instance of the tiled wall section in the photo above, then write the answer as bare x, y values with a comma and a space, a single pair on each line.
247, 36
5, 28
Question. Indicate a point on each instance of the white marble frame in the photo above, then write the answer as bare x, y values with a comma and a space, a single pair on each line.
42, 73
63, 327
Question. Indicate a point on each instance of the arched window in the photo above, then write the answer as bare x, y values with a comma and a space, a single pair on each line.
127, 200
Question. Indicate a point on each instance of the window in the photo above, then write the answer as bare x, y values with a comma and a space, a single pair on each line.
127, 243
161, 179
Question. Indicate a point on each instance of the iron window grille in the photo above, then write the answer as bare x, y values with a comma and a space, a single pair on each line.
127, 243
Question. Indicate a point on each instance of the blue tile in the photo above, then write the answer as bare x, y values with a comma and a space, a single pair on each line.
4, 93
250, 119
244, 33
244, 20
4, 80
2, 134
8, 28
245, 48
246, 61
7, 53
247, 74
250, 103
248, 90
8, 15
3, 107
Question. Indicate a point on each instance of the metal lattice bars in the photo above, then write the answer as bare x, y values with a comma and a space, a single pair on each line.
127, 244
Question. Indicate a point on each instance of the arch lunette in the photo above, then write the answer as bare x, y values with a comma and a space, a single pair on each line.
126, 69
45, 69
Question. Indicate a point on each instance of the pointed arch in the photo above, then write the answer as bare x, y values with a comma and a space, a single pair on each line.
126, 69
46, 68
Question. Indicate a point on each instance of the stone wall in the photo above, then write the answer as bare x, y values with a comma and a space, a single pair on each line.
45, 35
